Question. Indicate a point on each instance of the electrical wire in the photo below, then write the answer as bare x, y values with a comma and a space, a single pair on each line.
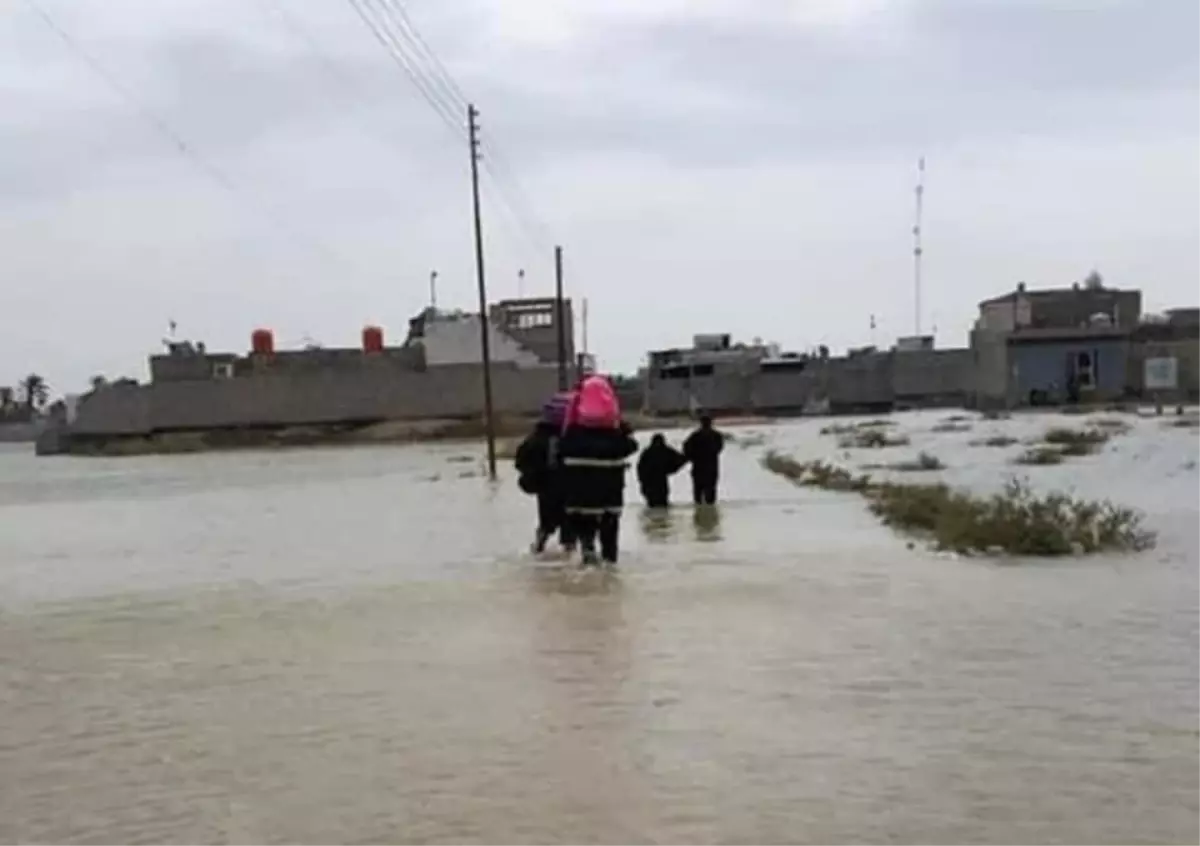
410, 50
177, 141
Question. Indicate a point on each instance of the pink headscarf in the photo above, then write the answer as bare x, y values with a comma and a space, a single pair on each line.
594, 405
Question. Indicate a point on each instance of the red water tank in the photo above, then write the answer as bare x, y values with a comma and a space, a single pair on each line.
372, 339
262, 342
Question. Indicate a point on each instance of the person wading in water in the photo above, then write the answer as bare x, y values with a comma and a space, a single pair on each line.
594, 451
540, 474
703, 449
658, 462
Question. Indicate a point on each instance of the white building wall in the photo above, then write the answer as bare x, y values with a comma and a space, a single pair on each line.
455, 340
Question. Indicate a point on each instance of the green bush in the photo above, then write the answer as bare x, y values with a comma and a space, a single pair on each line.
1040, 456
996, 441
1015, 521
854, 428
924, 462
1063, 436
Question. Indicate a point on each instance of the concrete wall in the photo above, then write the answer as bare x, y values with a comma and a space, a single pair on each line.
933, 376
861, 382
182, 368
282, 398
1185, 352
16, 433
991, 384
1042, 366
790, 388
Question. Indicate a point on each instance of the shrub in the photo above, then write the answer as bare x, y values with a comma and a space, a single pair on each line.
1015, 521
996, 441
1076, 441
924, 462
951, 426
871, 438
1042, 455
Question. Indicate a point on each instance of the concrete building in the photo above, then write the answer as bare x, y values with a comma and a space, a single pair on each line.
1049, 346
719, 376
435, 374
713, 374
1056, 308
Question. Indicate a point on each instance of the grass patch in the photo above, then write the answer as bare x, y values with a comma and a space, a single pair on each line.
1184, 422
951, 426
1112, 425
924, 462
853, 428
1075, 442
1015, 521
871, 438
1041, 456
996, 441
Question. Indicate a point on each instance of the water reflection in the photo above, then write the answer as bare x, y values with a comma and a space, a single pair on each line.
706, 519
658, 524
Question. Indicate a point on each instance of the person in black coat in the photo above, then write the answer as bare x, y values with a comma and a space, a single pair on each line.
594, 462
703, 449
657, 464
540, 474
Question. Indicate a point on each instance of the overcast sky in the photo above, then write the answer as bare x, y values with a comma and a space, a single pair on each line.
744, 166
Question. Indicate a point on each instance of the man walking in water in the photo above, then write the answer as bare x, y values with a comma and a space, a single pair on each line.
703, 450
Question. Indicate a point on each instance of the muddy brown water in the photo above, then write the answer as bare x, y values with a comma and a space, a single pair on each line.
351, 646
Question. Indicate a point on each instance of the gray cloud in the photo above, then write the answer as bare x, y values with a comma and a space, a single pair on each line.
731, 169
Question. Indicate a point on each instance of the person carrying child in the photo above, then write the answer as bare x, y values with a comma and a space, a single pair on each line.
594, 453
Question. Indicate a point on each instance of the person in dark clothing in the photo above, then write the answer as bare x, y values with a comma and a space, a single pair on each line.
657, 464
540, 474
594, 451
703, 450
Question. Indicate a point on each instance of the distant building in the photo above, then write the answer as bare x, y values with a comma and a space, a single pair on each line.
1086, 343
713, 374
1059, 308
436, 373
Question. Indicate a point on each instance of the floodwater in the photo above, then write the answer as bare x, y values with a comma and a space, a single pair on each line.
353, 646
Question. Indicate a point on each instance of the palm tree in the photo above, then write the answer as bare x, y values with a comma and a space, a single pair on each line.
36, 391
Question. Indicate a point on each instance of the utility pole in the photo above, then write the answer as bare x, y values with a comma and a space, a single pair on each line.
560, 313
433, 290
484, 341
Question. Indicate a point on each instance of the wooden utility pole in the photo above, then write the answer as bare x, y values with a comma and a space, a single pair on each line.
484, 340
560, 318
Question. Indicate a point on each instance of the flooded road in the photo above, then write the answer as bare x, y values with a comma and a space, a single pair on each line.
353, 646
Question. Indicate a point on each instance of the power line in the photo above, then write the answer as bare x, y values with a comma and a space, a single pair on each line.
411, 50
177, 140
388, 40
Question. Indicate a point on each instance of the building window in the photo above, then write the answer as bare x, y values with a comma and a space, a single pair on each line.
683, 371
223, 370
532, 320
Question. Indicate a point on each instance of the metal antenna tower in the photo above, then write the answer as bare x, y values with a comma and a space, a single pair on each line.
917, 251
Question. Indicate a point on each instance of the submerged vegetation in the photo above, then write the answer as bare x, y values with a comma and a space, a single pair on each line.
1061, 442
851, 428
1015, 521
1041, 456
871, 438
924, 462
996, 441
